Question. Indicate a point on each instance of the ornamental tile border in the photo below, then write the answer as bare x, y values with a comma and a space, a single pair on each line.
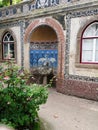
68, 25
22, 42
26, 7
29, 6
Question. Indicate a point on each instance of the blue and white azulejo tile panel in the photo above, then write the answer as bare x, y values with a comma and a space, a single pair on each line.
42, 58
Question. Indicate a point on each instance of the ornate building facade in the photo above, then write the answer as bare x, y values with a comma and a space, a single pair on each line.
59, 34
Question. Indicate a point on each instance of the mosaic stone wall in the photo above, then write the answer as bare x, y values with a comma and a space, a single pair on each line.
78, 85
82, 86
83, 89
69, 16
18, 30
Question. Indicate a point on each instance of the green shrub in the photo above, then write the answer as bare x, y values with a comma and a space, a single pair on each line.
19, 103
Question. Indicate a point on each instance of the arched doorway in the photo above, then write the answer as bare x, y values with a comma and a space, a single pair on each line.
43, 53
53, 26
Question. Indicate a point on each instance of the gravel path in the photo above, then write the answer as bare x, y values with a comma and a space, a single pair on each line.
63, 112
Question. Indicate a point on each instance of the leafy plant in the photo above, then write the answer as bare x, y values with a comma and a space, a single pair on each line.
9, 2
19, 103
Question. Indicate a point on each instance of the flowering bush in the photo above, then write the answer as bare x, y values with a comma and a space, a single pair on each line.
19, 103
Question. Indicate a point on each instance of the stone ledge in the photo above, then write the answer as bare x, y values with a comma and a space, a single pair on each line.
90, 66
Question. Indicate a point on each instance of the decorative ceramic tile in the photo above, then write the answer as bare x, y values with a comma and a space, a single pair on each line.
43, 58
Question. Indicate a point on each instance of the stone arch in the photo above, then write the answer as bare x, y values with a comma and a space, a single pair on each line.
55, 25
9, 30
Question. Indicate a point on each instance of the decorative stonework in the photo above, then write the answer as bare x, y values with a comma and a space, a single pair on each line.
43, 45
22, 42
61, 40
46, 3
60, 18
26, 7
78, 88
70, 15
13, 24
67, 46
87, 12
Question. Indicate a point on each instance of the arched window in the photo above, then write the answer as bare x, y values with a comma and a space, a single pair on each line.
89, 46
8, 46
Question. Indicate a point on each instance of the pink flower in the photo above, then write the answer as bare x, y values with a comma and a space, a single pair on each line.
6, 78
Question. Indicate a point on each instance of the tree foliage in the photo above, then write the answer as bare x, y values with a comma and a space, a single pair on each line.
8, 2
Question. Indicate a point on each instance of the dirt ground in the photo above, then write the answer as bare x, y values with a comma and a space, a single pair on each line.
62, 112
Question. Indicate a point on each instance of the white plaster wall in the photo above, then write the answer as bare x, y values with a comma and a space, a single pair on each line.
16, 31
1, 32
73, 43
82, 71
26, 56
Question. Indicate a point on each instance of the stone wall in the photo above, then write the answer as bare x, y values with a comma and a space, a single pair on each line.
83, 89
75, 67
80, 79
68, 21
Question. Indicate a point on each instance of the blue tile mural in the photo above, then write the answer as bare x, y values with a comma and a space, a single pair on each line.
42, 58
